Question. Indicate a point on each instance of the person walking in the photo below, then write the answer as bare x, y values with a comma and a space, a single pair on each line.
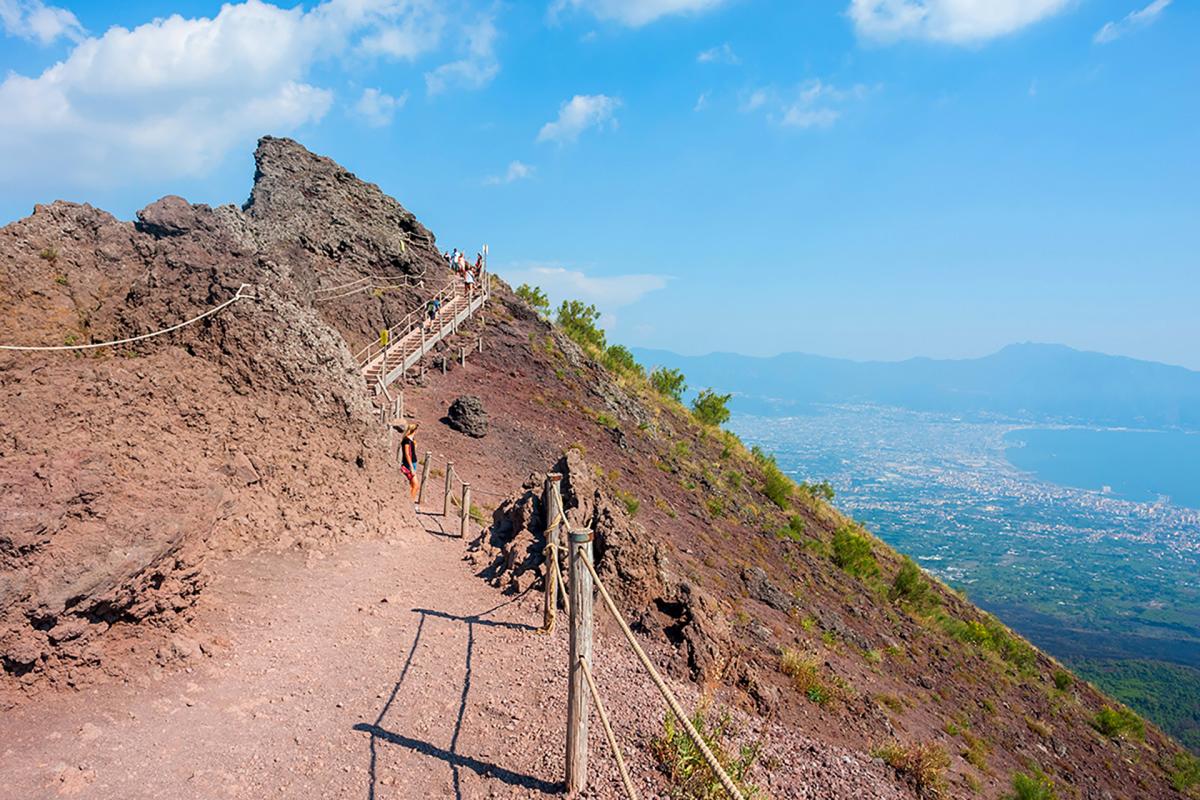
408, 458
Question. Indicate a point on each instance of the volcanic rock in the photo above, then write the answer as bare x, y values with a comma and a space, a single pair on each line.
468, 416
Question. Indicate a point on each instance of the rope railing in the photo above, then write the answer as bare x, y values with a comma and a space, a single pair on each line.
238, 296
669, 696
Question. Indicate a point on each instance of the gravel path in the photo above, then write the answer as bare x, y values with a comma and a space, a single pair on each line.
380, 670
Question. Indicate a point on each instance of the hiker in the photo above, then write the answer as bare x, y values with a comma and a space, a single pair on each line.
408, 458
478, 264
469, 281
453, 258
431, 311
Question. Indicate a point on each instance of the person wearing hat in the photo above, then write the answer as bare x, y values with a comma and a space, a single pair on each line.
408, 457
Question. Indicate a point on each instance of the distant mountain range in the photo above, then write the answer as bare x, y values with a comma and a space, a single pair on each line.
1025, 381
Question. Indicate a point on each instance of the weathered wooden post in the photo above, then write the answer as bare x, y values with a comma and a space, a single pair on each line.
449, 488
552, 500
481, 342
579, 649
466, 511
399, 412
462, 356
424, 477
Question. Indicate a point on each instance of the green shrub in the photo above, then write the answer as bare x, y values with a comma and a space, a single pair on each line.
1034, 785
618, 358
805, 673
715, 506
1117, 723
821, 491
1062, 680
909, 585
631, 503
688, 773
711, 408
578, 321
1185, 772
535, 297
852, 552
776, 485
794, 530
922, 764
669, 383
990, 634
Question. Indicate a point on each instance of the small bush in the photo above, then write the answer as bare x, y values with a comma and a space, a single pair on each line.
1034, 785
49, 254
909, 585
805, 672
1119, 723
922, 764
669, 383
631, 503
619, 359
1062, 680
852, 552
734, 478
822, 490
535, 297
578, 321
1185, 772
711, 408
715, 506
976, 752
689, 774
793, 531
776, 486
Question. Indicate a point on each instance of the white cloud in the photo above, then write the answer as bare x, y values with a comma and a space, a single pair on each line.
634, 13
576, 115
813, 104
378, 108
701, 102
476, 68
1130, 22
606, 292
173, 96
950, 21
516, 171
722, 54
36, 21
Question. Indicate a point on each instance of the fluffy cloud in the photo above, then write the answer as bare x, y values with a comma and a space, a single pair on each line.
516, 172
951, 21
607, 292
173, 96
812, 104
722, 54
1131, 21
378, 108
476, 68
581, 112
36, 21
635, 13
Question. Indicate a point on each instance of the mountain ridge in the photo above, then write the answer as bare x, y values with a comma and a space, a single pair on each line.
1051, 382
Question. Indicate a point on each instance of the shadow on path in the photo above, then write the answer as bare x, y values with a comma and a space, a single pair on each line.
451, 756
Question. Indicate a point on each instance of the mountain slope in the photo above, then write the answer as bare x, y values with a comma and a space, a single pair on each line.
136, 473
1038, 381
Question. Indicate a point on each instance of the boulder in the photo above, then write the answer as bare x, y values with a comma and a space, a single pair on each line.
468, 416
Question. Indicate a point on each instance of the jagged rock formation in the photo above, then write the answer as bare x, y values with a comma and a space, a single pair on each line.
124, 469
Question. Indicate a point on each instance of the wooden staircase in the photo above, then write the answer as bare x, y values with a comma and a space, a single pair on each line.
416, 335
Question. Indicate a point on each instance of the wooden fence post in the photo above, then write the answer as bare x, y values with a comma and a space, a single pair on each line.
399, 412
579, 649
424, 477
466, 511
481, 342
552, 500
449, 488
462, 356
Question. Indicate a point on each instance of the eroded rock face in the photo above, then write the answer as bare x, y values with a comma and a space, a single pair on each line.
632, 565
467, 415
122, 470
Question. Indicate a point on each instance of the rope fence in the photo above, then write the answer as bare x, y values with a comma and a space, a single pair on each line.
238, 296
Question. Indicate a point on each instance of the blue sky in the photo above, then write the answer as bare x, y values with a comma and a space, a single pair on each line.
861, 178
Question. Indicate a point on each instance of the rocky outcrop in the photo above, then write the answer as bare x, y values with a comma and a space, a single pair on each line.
124, 470
467, 415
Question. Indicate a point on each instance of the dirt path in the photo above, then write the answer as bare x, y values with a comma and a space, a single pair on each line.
381, 670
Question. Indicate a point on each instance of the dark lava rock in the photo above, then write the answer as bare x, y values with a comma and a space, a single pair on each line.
761, 589
468, 416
